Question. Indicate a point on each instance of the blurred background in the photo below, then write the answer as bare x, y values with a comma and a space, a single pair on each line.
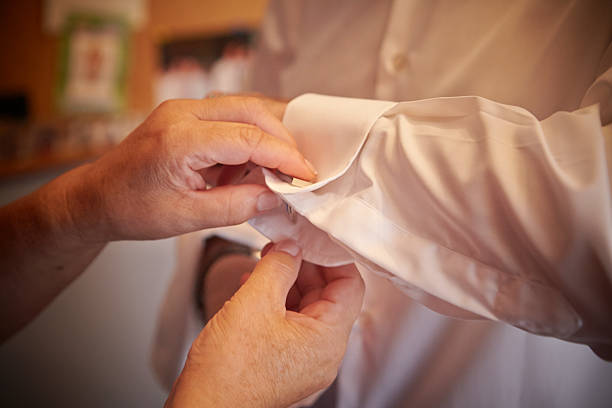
76, 77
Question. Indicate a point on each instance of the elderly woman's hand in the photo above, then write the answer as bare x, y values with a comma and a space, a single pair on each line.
154, 184
279, 339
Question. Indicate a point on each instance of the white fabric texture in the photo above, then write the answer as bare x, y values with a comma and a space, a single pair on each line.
475, 203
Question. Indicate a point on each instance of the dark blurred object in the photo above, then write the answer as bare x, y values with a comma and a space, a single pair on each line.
14, 106
205, 50
194, 67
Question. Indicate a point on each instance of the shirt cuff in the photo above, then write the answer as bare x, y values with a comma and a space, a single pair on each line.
329, 131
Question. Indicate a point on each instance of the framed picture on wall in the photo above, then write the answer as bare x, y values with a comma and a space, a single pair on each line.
93, 61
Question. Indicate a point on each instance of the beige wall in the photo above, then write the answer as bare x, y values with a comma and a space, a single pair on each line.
29, 56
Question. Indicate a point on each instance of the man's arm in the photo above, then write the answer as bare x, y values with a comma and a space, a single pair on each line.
472, 202
155, 184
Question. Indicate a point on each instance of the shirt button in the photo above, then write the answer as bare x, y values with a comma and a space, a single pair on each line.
399, 62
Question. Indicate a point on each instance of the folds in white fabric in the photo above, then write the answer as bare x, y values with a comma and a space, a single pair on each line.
460, 201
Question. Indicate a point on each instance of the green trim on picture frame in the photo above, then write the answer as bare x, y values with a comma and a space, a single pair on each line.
94, 21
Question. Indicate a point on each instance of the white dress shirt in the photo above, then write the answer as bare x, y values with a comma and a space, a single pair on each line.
460, 200
487, 194
526, 201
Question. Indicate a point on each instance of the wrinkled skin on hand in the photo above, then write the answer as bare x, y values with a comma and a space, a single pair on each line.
279, 339
157, 182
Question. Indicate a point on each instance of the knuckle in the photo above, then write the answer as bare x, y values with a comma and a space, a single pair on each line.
166, 105
227, 214
167, 136
249, 101
251, 136
278, 265
255, 108
233, 208
173, 129
256, 104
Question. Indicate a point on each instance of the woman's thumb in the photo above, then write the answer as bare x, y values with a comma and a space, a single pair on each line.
274, 275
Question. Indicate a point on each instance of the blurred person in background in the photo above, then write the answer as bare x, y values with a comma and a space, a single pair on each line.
229, 74
184, 78
187, 77
532, 61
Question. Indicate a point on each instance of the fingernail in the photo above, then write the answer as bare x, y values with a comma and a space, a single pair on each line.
268, 201
311, 167
288, 246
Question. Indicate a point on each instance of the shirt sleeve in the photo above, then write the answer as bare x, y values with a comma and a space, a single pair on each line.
276, 43
477, 203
